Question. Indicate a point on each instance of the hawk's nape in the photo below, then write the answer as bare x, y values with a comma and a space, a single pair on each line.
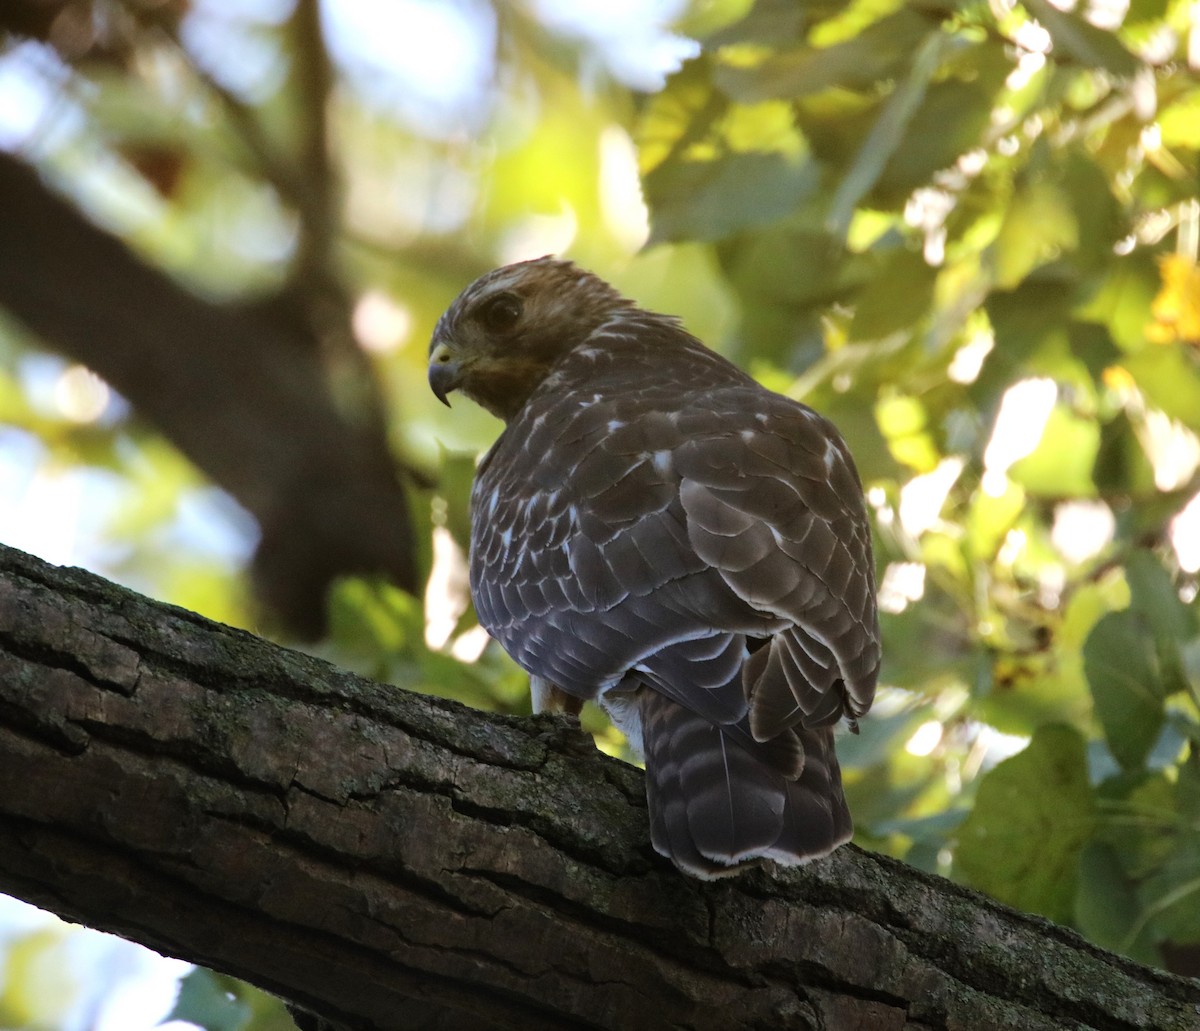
655, 531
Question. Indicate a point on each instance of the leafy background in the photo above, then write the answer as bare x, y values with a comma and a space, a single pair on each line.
965, 231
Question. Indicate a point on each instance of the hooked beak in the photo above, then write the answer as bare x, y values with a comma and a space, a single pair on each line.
444, 372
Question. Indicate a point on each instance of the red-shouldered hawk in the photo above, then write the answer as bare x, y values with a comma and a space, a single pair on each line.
657, 532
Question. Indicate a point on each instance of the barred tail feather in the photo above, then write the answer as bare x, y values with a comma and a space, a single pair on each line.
718, 799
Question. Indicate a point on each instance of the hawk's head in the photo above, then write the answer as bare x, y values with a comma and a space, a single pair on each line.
504, 332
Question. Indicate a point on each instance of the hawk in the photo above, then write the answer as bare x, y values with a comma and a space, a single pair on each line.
656, 532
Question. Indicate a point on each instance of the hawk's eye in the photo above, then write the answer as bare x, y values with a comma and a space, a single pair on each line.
500, 312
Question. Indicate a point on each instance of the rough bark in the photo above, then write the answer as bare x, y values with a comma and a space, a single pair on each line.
245, 392
397, 861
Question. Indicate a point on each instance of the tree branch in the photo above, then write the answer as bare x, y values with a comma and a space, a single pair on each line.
391, 860
243, 392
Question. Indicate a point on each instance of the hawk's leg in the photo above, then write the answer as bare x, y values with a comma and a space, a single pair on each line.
549, 698
564, 732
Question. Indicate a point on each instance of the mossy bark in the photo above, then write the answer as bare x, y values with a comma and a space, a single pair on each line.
391, 860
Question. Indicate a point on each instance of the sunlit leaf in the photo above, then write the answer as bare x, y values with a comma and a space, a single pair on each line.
1179, 121
1176, 309
1146, 10
877, 53
374, 619
903, 421
1062, 463
989, 519
1169, 377
710, 169
1038, 227
678, 115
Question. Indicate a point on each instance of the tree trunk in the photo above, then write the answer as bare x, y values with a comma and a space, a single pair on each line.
393, 861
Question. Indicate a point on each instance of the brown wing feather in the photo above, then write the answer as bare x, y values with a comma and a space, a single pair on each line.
653, 517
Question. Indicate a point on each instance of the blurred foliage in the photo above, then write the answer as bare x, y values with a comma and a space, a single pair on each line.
215, 1002
967, 232
38, 986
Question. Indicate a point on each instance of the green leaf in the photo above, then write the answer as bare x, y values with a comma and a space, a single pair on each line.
857, 424
1171, 892
1033, 814
1107, 909
799, 268
1121, 300
921, 630
1093, 345
1171, 623
1119, 661
768, 22
1026, 321
1146, 10
1096, 211
885, 134
374, 620
879, 52
1139, 810
1170, 379
711, 168
713, 197
1061, 465
1180, 121
205, 999
1039, 225
1083, 42
949, 121
895, 298
1153, 594
989, 519
680, 115
1121, 463
1030, 691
